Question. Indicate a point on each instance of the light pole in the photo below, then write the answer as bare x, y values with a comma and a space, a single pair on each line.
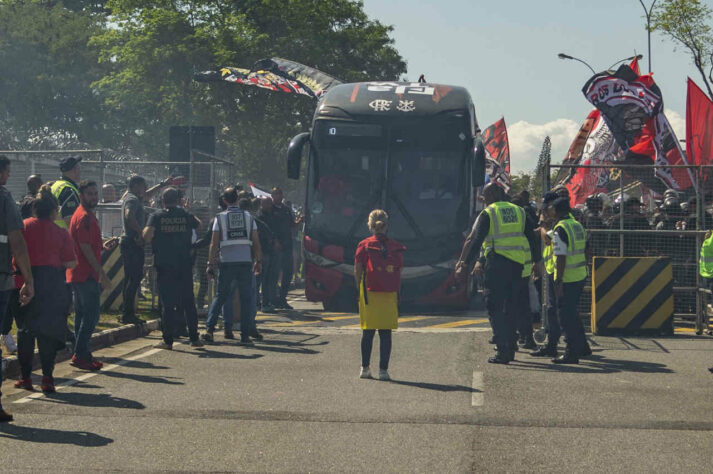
648, 12
638, 56
567, 56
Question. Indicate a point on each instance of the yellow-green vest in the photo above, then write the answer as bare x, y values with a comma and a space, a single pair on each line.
506, 235
57, 188
576, 267
705, 262
548, 256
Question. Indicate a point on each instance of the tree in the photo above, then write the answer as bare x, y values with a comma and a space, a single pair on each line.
688, 23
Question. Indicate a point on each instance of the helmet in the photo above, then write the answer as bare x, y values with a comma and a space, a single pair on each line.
561, 190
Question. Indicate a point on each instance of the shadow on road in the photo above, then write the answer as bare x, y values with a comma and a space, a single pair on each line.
286, 350
138, 364
597, 364
210, 354
143, 378
99, 400
436, 386
48, 436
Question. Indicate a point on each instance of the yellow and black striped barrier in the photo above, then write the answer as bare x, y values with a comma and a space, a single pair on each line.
632, 296
114, 267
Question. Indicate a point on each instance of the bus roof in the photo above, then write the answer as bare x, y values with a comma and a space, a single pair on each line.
393, 99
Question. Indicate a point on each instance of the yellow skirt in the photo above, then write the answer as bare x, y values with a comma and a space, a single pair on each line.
382, 312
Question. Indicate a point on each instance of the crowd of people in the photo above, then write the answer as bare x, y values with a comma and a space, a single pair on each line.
50, 263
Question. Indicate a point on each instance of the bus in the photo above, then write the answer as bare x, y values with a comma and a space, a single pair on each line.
412, 149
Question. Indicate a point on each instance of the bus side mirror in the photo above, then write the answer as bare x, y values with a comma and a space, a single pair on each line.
478, 164
294, 155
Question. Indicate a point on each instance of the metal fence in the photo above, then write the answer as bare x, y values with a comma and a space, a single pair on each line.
200, 180
651, 229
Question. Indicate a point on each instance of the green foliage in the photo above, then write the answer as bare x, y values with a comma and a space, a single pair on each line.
688, 23
118, 73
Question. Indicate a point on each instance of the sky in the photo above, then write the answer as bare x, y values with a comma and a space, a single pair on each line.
505, 53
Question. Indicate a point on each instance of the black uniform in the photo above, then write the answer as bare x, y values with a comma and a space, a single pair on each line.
174, 267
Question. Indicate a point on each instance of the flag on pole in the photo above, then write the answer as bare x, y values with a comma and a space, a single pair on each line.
699, 126
632, 107
497, 149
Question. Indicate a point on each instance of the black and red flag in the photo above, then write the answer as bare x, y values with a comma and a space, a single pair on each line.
632, 107
275, 74
497, 147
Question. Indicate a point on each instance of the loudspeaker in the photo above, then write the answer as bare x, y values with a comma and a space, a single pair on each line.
181, 141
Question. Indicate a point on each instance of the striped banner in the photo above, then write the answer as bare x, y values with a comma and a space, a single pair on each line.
632, 296
114, 267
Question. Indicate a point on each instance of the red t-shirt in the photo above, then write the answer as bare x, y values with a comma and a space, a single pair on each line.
382, 274
84, 229
47, 245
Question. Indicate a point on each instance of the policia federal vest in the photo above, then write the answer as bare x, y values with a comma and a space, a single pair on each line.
705, 262
57, 188
506, 235
576, 267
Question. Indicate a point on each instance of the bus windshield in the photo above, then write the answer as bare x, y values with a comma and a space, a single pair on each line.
425, 168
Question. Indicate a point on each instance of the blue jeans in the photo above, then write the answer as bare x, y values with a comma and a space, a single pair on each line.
232, 277
4, 298
86, 315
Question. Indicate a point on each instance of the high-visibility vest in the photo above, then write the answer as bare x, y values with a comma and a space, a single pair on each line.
527, 266
548, 255
57, 188
235, 227
705, 262
506, 235
576, 267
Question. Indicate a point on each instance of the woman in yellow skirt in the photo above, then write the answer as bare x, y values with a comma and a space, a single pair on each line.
377, 269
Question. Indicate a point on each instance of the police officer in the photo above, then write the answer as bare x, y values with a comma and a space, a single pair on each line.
502, 232
569, 247
169, 232
705, 264
236, 241
65, 189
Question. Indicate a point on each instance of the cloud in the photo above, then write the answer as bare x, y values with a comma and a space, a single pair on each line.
678, 123
526, 142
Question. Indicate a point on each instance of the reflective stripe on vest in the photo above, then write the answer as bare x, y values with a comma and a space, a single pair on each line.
506, 235
548, 255
576, 266
57, 188
705, 262
235, 225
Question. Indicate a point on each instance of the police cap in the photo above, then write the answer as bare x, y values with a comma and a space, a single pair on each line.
69, 162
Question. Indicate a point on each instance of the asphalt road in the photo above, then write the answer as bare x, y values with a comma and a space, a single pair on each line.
294, 403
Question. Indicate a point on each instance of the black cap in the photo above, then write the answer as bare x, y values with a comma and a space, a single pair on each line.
66, 164
549, 197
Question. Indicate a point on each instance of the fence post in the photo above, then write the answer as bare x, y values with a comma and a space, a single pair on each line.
701, 322
621, 213
102, 175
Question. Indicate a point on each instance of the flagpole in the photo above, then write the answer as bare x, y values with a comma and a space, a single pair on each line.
648, 12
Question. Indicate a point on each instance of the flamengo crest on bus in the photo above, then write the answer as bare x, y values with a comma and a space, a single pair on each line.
382, 105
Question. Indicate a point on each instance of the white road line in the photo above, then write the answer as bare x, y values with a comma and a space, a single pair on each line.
478, 386
89, 375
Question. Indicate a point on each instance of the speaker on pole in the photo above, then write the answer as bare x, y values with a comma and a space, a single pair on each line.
184, 139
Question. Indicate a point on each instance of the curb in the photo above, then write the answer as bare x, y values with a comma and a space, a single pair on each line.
100, 340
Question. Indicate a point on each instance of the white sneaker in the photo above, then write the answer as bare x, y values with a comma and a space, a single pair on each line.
9, 343
384, 374
365, 373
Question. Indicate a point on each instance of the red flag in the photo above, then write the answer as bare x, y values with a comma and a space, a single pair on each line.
635, 66
495, 140
699, 126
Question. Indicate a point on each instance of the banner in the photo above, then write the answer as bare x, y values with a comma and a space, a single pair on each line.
276, 74
699, 126
593, 145
259, 193
497, 148
632, 107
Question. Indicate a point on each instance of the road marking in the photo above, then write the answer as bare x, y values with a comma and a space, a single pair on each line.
339, 318
401, 320
291, 323
464, 322
89, 375
478, 386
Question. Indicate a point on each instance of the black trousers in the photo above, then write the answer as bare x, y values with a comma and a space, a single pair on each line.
46, 346
133, 257
570, 319
554, 328
175, 287
501, 282
287, 261
367, 343
523, 313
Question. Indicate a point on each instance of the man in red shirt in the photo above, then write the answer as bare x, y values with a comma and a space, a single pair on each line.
88, 275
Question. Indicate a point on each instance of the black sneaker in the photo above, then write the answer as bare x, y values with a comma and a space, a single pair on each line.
245, 341
165, 346
207, 336
196, 343
228, 335
545, 351
256, 335
5, 416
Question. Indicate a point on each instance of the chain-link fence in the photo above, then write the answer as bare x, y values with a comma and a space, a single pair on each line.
200, 182
640, 218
